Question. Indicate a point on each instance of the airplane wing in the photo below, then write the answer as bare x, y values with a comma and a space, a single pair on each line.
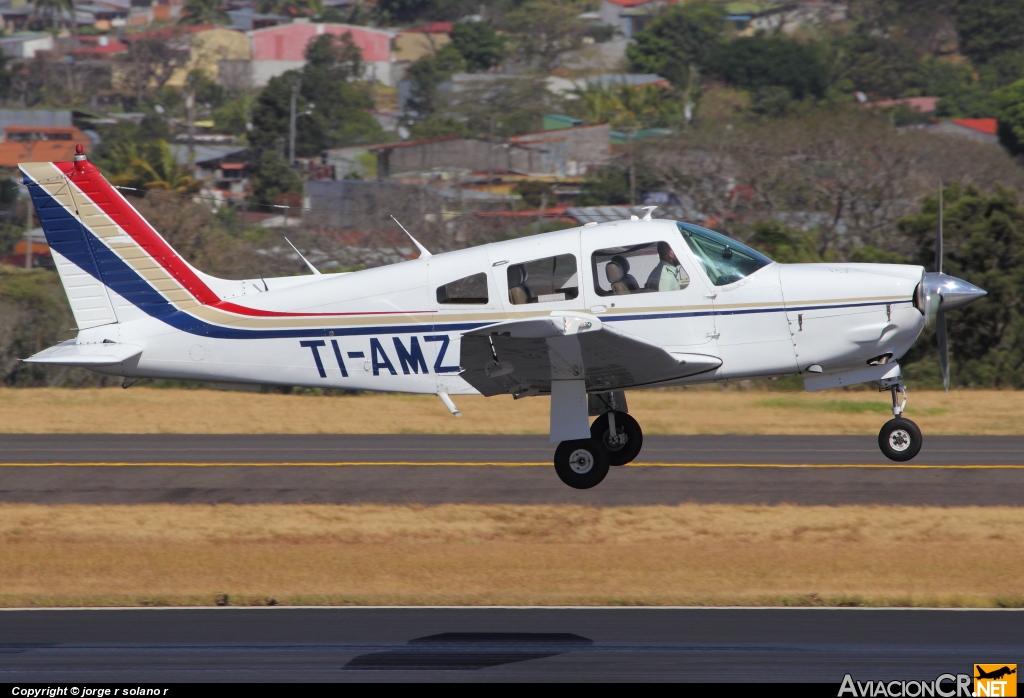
522, 357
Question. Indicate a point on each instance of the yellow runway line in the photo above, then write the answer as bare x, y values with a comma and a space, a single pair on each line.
891, 466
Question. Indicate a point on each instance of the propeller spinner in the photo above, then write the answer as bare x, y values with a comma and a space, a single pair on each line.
940, 293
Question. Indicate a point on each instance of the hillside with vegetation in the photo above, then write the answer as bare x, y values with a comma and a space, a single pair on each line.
800, 142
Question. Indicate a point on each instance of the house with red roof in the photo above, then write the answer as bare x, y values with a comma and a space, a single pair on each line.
979, 130
276, 50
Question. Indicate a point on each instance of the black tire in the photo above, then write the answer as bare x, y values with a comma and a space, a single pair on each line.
580, 464
625, 426
900, 439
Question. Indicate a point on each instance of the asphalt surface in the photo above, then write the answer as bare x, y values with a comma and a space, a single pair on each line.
100, 469
501, 644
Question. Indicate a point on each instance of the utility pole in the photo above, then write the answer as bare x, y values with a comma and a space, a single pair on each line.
291, 127
28, 236
190, 115
632, 170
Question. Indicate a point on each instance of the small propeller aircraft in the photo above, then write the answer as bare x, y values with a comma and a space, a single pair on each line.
580, 314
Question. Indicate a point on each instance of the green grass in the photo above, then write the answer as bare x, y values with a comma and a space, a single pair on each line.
844, 406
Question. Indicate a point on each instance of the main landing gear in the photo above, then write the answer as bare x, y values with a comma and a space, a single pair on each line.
900, 439
615, 439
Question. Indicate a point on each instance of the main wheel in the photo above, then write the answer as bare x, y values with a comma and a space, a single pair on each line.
900, 439
625, 445
581, 464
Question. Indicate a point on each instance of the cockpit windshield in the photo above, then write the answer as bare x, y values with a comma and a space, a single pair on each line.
725, 260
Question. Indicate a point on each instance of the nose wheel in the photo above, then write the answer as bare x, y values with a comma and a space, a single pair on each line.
619, 435
900, 439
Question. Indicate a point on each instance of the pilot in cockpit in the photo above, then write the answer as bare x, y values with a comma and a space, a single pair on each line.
666, 275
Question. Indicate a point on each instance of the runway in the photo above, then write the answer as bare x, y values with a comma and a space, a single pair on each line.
501, 644
433, 469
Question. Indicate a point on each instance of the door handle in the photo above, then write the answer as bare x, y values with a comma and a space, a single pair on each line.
711, 296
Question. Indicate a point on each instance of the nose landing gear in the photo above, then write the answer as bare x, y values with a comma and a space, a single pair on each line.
900, 439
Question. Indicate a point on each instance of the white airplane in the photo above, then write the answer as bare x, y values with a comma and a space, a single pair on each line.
580, 314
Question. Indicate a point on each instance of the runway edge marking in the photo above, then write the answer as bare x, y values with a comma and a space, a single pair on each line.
341, 464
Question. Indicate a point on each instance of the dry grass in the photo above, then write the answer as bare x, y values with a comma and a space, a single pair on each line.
149, 410
517, 555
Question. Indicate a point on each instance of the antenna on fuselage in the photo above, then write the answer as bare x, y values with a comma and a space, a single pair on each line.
424, 252
308, 263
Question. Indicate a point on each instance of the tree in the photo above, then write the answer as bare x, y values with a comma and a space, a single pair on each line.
783, 243
681, 39
56, 11
438, 127
149, 63
984, 244
333, 111
272, 179
403, 11
292, 7
428, 74
1010, 101
478, 43
879, 66
204, 12
542, 29
756, 62
988, 28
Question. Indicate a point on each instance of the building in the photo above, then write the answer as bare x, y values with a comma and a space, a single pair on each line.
566, 86
246, 19
98, 47
630, 16
276, 50
979, 130
923, 105
414, 44
23, 45
102, 16
41, 144
41, 256
363, 205
207, 48
221, 168
455, 153
750, 17
569, 152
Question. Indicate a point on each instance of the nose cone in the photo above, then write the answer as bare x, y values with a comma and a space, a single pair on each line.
955, 293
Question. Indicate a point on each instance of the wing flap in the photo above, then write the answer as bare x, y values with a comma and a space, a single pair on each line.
522, 357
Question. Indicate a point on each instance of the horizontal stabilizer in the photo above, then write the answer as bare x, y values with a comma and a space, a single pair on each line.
523, 357
85, 355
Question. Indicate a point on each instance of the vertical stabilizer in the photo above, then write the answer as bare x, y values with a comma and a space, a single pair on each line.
72, 252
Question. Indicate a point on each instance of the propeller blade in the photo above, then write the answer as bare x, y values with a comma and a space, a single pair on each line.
940, 333
938, 239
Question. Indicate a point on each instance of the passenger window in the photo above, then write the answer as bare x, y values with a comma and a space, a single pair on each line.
543, 280
470, 290
647, 268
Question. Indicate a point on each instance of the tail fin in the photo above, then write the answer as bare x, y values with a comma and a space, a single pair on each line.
114, 266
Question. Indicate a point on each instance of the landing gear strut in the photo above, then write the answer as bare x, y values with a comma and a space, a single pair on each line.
900, 439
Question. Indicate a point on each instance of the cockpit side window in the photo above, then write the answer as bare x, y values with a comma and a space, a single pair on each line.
645, 268
470, 290
725, 260
543, 280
